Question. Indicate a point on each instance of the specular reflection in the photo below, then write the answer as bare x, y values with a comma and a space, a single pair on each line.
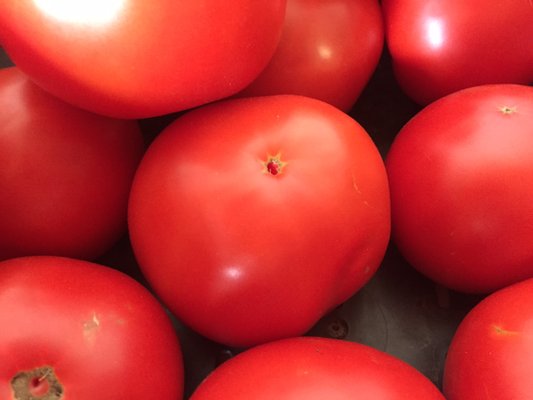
87, 12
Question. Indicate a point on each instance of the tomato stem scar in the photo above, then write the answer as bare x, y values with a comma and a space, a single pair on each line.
273, 165
43, 377
38, 384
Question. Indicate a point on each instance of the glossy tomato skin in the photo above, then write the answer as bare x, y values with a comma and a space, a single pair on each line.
328, 50
243, 255
65, 176
490, 354
136, 58
460, 174
94, 329
439, 47
315, 368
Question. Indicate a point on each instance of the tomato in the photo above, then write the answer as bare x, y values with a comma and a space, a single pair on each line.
460, 175
490, 354
439, 47
137, 58
328, 50
65, 176
74, 330
315, 368
251, 218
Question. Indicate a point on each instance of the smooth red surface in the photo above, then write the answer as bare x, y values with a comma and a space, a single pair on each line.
244, 256
65, 174
104, 335
439, 47
460, 174
328, 50
137, 58
490, 354
315, 369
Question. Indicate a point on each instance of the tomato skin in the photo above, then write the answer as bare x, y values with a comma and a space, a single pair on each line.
65, 176
244, 256
315, 368
133, 58
452, 45
89, 323
490, 354
328, 50
460, 173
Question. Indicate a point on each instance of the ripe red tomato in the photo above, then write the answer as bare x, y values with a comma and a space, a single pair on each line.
460, 175
65, 175
328, 50
315, 368
137, 58
74, 330
439, 47
251, 218
490, 354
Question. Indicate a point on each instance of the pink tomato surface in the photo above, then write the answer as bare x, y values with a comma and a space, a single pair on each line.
460, 174
315, 369
439, 47
75, 330
328, 50
251, 218
490, 354
137, 58
65, 175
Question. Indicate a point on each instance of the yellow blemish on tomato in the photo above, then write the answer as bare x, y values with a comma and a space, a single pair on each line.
90, 328
507, 110
355, 186
504, 332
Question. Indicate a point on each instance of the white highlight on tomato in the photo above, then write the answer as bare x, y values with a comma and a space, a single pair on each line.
325, 52
435, 32
89, 12
233, 273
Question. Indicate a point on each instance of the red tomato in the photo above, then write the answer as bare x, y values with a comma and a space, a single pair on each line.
138, 58
73, 330
460, 174
65, 175
315, 368
251, 218
328, 50
490, 354
439, 47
